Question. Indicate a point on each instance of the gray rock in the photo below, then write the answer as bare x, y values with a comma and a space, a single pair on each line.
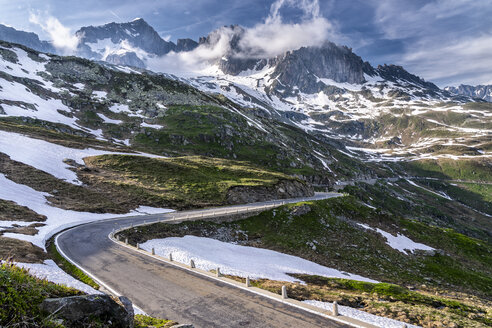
282, 190
186, 45
396, 73
128, 59
301, 210
76, 310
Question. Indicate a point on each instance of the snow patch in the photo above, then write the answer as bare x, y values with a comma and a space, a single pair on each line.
51, 272
46, 156
109, 120
242, 261
360, 315
400, 242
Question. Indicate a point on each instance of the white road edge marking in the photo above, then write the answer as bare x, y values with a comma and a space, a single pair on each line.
90, 274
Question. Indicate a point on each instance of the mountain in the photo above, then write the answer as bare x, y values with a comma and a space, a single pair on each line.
326, 90
28, 39
480, 91
378, 112
126, 43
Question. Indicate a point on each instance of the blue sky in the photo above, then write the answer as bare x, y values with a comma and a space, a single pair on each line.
444, 41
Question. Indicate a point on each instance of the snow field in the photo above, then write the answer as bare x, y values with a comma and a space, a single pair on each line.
242, 261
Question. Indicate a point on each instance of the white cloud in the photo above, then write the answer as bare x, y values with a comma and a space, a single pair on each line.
264, 40
463, 61
62, 37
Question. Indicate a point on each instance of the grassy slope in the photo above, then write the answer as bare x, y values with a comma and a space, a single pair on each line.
21, 294
403, 199
180, 181
449, 169
328, 235
218, 132
10, 211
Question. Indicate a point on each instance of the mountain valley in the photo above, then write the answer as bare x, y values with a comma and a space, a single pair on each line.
114, 130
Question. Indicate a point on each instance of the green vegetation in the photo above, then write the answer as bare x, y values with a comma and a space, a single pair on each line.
403, 199
21, 294
10, 211
396, 292
211, 131
423, 307
485, 191
144, 321
475, 195
180, 181
68, 267
450, 169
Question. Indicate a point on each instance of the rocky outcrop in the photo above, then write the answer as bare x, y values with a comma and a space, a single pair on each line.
75, 311
304, 67
282, 190
186, 45
396, 73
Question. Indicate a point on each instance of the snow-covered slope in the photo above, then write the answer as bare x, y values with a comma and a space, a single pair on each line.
130, 44
398, 118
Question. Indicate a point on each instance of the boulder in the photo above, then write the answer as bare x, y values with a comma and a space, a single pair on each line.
76, 311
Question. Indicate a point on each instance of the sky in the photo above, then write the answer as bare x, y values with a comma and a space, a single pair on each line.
448, 42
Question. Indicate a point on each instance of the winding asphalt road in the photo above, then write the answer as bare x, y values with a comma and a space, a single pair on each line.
167, 291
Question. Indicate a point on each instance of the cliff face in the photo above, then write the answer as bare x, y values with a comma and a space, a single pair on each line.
303, 68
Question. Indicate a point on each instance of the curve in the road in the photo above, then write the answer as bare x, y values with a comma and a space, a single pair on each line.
168, 291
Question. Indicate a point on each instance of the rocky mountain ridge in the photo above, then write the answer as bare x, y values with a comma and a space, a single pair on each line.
126, 43
28, 39
478, 91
